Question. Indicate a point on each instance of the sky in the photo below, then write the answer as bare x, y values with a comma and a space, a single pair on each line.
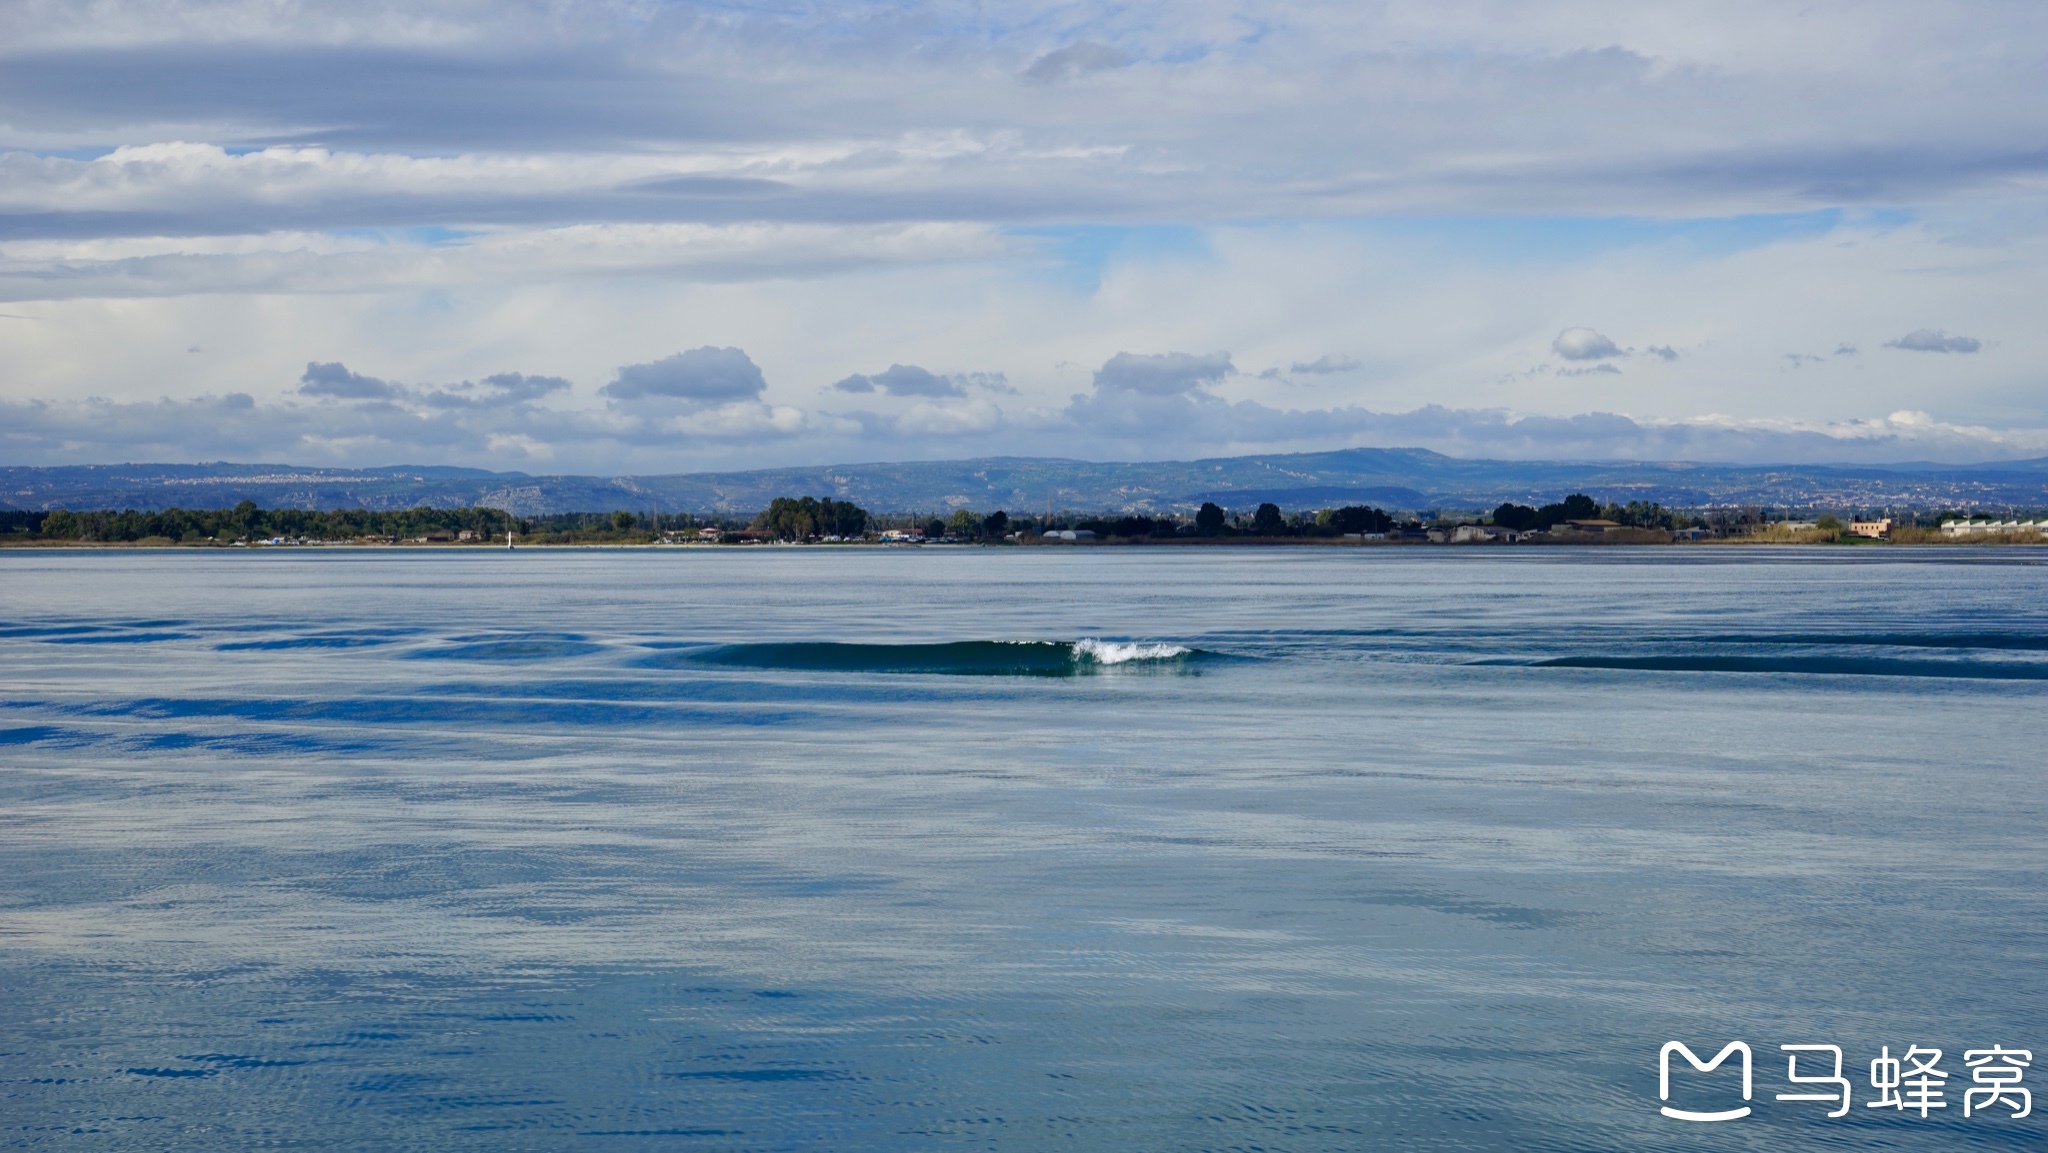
623, 236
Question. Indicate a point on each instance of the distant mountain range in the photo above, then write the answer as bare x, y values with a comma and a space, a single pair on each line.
1398, 479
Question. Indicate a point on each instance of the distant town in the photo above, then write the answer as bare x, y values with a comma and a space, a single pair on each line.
1578, 519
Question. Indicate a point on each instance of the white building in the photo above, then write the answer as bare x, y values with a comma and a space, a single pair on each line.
1479, 533
1985, 527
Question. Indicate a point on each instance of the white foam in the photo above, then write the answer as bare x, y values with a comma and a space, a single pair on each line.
1120, 652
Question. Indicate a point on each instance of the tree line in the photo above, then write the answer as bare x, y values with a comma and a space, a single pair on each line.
1579, 506
785, 518
803, 518
246, 521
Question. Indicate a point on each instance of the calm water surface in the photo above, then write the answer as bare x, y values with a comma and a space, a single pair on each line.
1408, 849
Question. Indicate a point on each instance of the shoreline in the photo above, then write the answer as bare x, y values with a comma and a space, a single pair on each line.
1182, 543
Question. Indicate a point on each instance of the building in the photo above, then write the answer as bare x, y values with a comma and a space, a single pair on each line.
1484, 533
1074, 534
1595, 525
1984, 527
1874, 529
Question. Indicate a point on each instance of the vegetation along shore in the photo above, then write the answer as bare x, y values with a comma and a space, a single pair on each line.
1576, 520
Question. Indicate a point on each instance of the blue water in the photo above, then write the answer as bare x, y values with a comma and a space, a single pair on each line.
1396, 848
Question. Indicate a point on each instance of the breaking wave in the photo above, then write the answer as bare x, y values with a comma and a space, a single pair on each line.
956, 658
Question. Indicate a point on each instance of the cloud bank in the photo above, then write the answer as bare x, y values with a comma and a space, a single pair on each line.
1136, 403
683, 221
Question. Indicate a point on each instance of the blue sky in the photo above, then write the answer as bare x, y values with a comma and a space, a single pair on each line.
1749, 231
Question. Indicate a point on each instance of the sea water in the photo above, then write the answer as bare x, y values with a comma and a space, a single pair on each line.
1094, 849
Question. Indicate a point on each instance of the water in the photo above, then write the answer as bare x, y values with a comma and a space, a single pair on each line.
1271, 849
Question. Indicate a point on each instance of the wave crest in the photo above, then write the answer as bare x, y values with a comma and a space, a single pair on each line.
956, 658
1123, 652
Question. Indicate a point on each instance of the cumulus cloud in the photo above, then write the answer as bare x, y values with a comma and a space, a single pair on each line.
1663, 352
1077, 59
1583, 344
335, 380
1162, 374
903, 380
1931, 340
1142, 396
701, 375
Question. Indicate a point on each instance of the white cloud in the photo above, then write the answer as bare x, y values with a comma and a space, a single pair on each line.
1583, 344
1928, 340
950, 419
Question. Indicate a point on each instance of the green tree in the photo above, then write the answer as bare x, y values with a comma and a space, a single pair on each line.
996, 524
1518, 517
791, 518
1358, 518
1209, 520
245, 518
1267, 520
1577, 506
1134, 526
